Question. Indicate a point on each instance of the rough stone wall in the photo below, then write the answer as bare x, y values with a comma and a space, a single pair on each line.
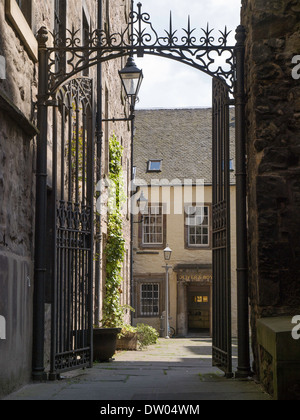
17, 178
273, 149
17, 203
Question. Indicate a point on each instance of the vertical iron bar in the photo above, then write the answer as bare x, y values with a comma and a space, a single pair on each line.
214, 178
99, 138
90, 204
38, 368
228, 231
83, 169
55, 261
62, 171
243, 369
70, 115
131, 211
77, 113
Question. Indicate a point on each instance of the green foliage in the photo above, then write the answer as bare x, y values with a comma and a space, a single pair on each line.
146, 335
113, 311
127, 328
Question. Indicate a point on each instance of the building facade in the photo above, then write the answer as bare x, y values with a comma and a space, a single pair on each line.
173, 170
20, 22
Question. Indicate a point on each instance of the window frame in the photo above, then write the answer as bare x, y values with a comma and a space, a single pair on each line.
153, 304
26, 9
150, 161
86, 27
60, 29
20, 24
190, 246
152, 245
149, 279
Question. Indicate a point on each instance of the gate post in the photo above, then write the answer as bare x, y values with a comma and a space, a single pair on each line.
38, 367
243, 369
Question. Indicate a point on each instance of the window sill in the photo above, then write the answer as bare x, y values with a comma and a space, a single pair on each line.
151, 247
19, 23
147, 253
197, 248
16, 114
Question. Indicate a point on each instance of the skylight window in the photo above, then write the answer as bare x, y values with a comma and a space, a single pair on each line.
154, 165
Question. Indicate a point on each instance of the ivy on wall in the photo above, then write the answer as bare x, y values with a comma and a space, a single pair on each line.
113, 311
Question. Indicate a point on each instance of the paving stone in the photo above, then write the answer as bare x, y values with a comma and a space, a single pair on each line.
170, 370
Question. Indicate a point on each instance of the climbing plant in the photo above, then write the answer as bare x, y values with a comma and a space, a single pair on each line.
113, 311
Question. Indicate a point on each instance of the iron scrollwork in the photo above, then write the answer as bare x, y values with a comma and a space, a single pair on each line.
207, 52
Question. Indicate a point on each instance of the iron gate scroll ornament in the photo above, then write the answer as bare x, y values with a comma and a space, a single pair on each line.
138, 38
206, 51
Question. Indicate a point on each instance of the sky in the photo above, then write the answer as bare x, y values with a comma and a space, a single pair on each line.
167, 83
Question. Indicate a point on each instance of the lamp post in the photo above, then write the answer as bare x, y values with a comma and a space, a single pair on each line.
167, 257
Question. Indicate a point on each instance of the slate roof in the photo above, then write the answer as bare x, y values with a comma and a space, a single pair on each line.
182, 138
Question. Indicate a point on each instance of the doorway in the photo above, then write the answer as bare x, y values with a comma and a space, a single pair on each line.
199, 309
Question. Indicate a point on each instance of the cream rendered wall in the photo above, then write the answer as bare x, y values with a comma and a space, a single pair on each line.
153, 264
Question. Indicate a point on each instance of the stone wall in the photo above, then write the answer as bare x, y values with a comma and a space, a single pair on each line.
17, 204
273, 150
18, 92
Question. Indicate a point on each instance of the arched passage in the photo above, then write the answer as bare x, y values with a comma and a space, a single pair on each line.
140, 38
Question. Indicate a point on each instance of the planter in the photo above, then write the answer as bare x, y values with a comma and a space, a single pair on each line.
105, 341
128, 342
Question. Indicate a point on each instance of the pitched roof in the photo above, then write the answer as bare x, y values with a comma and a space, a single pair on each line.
181, 138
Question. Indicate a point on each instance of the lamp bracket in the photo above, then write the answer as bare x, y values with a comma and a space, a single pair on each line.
114, 120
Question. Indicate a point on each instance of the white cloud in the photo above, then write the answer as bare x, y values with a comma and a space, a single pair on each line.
171, 84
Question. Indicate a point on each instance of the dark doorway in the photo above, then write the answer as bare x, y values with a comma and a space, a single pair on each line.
198, 309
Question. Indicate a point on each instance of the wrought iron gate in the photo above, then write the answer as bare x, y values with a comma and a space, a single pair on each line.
72, 226
222, 347
72, 197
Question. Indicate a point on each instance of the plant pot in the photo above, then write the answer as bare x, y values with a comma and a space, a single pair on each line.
128, 342
105, 341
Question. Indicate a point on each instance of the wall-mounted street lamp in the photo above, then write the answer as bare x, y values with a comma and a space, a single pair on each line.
167, 257
131, 77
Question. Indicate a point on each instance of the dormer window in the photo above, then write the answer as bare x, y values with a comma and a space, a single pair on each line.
154, 165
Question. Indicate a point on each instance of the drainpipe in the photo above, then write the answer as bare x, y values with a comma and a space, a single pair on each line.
243, 369
132, 112
131, 211
38, 368
99, 138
